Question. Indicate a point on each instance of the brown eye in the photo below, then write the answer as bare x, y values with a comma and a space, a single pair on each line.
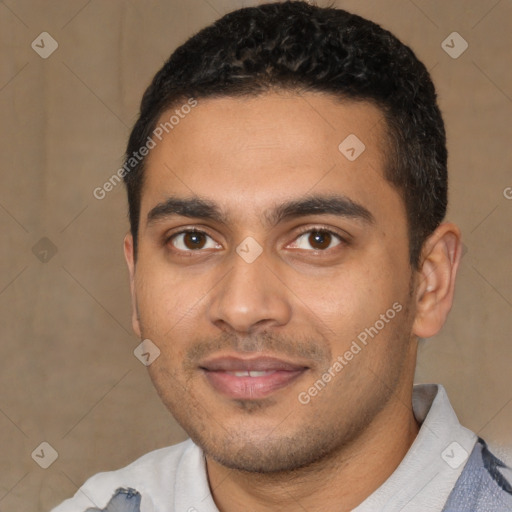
320, 239
188, 241
194, 240
317, 239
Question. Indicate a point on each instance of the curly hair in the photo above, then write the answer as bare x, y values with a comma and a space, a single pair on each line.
296, 46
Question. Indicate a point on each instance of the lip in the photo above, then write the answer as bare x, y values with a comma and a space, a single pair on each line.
220, 373
262, 363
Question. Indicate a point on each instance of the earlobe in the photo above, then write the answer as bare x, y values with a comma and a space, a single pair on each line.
130, 261
436, 279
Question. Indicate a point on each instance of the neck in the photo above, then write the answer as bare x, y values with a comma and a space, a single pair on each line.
340, 482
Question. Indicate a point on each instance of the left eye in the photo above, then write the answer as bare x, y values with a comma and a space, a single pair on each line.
318, 239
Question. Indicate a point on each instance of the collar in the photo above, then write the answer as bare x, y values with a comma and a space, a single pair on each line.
428, 472
422, 481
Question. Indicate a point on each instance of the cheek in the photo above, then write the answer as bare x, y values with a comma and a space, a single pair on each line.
346, 301
347, 292
163, 298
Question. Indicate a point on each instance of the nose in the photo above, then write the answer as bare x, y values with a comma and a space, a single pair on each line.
251, 296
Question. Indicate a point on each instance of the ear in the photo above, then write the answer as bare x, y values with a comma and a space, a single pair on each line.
439, 262
130, 261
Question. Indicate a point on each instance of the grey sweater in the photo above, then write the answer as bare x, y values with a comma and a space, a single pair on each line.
448, 468
482, 487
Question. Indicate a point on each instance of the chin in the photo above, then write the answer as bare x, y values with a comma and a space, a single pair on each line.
266, 455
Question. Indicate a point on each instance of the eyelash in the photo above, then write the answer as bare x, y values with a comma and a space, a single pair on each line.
342, 240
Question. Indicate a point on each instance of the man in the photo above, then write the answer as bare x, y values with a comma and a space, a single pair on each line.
287, 188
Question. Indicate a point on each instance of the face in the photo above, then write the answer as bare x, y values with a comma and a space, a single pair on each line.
273, 275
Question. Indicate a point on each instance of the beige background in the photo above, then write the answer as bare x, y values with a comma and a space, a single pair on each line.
68, 373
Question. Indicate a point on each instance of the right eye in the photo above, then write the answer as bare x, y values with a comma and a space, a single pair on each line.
192, 240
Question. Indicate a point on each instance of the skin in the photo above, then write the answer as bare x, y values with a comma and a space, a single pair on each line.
299, 300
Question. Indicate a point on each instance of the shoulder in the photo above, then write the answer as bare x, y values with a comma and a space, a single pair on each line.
485, 483
151, 475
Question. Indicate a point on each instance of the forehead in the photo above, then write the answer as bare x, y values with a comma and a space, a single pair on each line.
250, 152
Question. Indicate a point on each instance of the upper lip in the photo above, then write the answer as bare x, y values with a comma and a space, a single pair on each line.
232, 363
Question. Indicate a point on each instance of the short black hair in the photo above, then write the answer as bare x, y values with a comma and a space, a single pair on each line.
296, 46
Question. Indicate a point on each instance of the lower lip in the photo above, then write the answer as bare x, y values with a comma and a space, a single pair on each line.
247, 388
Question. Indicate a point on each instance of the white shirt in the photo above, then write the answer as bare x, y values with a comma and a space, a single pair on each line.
174, 479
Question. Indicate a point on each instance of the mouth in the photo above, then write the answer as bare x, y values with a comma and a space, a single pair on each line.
247, 379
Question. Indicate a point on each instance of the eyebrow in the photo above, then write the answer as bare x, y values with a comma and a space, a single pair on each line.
196, 207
